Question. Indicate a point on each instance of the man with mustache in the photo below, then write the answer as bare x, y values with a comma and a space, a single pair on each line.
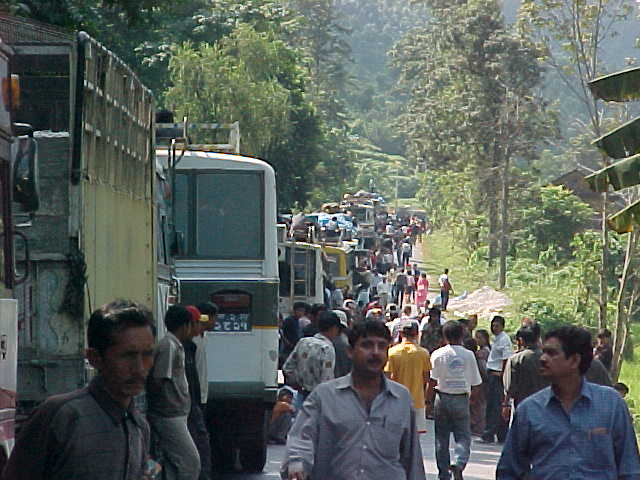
95, 433
571, 429
361, 425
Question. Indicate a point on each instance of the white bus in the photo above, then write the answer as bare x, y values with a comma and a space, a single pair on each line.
221, 235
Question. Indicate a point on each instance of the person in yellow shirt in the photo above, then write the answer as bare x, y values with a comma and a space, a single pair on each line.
409, 364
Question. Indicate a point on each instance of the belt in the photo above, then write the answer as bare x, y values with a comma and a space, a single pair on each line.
497, 373
452, 394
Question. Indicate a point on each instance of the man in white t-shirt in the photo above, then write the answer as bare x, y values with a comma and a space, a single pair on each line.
501, 351
454, 373
445, 288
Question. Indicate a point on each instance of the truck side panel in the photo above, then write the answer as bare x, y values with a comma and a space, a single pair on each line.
117, 229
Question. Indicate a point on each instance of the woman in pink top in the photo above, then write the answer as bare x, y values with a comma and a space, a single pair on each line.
422, 288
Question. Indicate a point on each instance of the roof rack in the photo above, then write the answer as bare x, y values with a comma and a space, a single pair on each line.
179, 132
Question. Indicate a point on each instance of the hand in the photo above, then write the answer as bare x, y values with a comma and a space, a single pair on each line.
296, 471
506, 413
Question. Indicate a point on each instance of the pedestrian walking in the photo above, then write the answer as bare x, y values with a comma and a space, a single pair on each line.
95, 433
522, 377
445, 289
410, 364
573, 428
195, 420
501, 350
292, 327
454, 373
361, 425
341, 345
383, 292
406, 248
603, 350
422, 290
400, 286
313, 360
431, 331
479, 405
168, 400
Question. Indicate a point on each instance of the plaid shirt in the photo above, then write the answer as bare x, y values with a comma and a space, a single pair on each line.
311, 362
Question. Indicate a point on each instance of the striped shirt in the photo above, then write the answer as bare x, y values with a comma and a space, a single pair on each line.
82, 435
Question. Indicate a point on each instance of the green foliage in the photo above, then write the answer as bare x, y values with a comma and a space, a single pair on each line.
547, 223
254, 78
546, 314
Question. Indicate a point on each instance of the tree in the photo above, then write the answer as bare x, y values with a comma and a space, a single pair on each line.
470, 85
254, 78
572, 34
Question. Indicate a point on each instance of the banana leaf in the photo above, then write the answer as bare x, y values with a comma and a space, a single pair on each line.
621, 86
621, 142
622, 174
626, 220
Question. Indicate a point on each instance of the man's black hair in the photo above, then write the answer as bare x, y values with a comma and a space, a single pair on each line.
604, 333
302, 306
453, 331
574, 340
208, 308
317, 308
368, 328
528, 334
326, 320
470, 344
435, 310
499, 319
114, 317
176, 317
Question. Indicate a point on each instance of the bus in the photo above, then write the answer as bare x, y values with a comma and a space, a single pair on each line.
301, 272
223, 247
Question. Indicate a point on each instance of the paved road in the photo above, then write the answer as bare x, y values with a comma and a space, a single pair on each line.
481, 466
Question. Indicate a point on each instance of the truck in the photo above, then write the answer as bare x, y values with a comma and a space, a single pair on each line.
88, 163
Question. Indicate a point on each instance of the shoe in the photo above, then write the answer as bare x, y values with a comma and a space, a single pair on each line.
456, 471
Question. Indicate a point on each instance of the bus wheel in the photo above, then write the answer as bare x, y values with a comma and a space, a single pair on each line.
253, 452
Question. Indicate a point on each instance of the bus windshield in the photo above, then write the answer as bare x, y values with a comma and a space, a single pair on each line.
226, 214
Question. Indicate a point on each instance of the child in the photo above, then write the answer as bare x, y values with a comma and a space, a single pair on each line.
281, 417
621, 388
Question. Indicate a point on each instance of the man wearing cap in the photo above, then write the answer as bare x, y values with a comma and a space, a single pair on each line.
168, 400
195, 420
410, 364
313, 360
341, 345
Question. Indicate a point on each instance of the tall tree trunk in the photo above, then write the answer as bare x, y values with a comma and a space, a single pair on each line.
504, 230
604, 266
624, 306
492, 197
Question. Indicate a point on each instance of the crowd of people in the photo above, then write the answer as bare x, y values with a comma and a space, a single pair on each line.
98, 433
470, 381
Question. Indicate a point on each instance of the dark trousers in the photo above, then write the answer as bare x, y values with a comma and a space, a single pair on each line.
494, 425
444, 295
200, 435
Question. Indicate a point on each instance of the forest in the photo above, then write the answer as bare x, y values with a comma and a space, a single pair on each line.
474, 109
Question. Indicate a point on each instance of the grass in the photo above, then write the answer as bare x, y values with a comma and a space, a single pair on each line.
440, 252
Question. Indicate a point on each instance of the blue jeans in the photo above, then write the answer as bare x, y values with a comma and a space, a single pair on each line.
451, 415
495, 392
444, 295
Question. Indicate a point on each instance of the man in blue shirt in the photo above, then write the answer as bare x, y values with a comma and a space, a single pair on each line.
574, 429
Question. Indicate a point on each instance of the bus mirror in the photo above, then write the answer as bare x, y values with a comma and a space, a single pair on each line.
26, 188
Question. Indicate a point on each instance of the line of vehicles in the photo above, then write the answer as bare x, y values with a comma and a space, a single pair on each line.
103, 197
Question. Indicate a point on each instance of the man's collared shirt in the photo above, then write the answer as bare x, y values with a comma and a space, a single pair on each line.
522, 374
501, 349
409, 365
594, 441
167, 387
311, 362
335, 438
82, 435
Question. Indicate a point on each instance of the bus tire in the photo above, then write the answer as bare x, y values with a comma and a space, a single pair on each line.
253, 453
